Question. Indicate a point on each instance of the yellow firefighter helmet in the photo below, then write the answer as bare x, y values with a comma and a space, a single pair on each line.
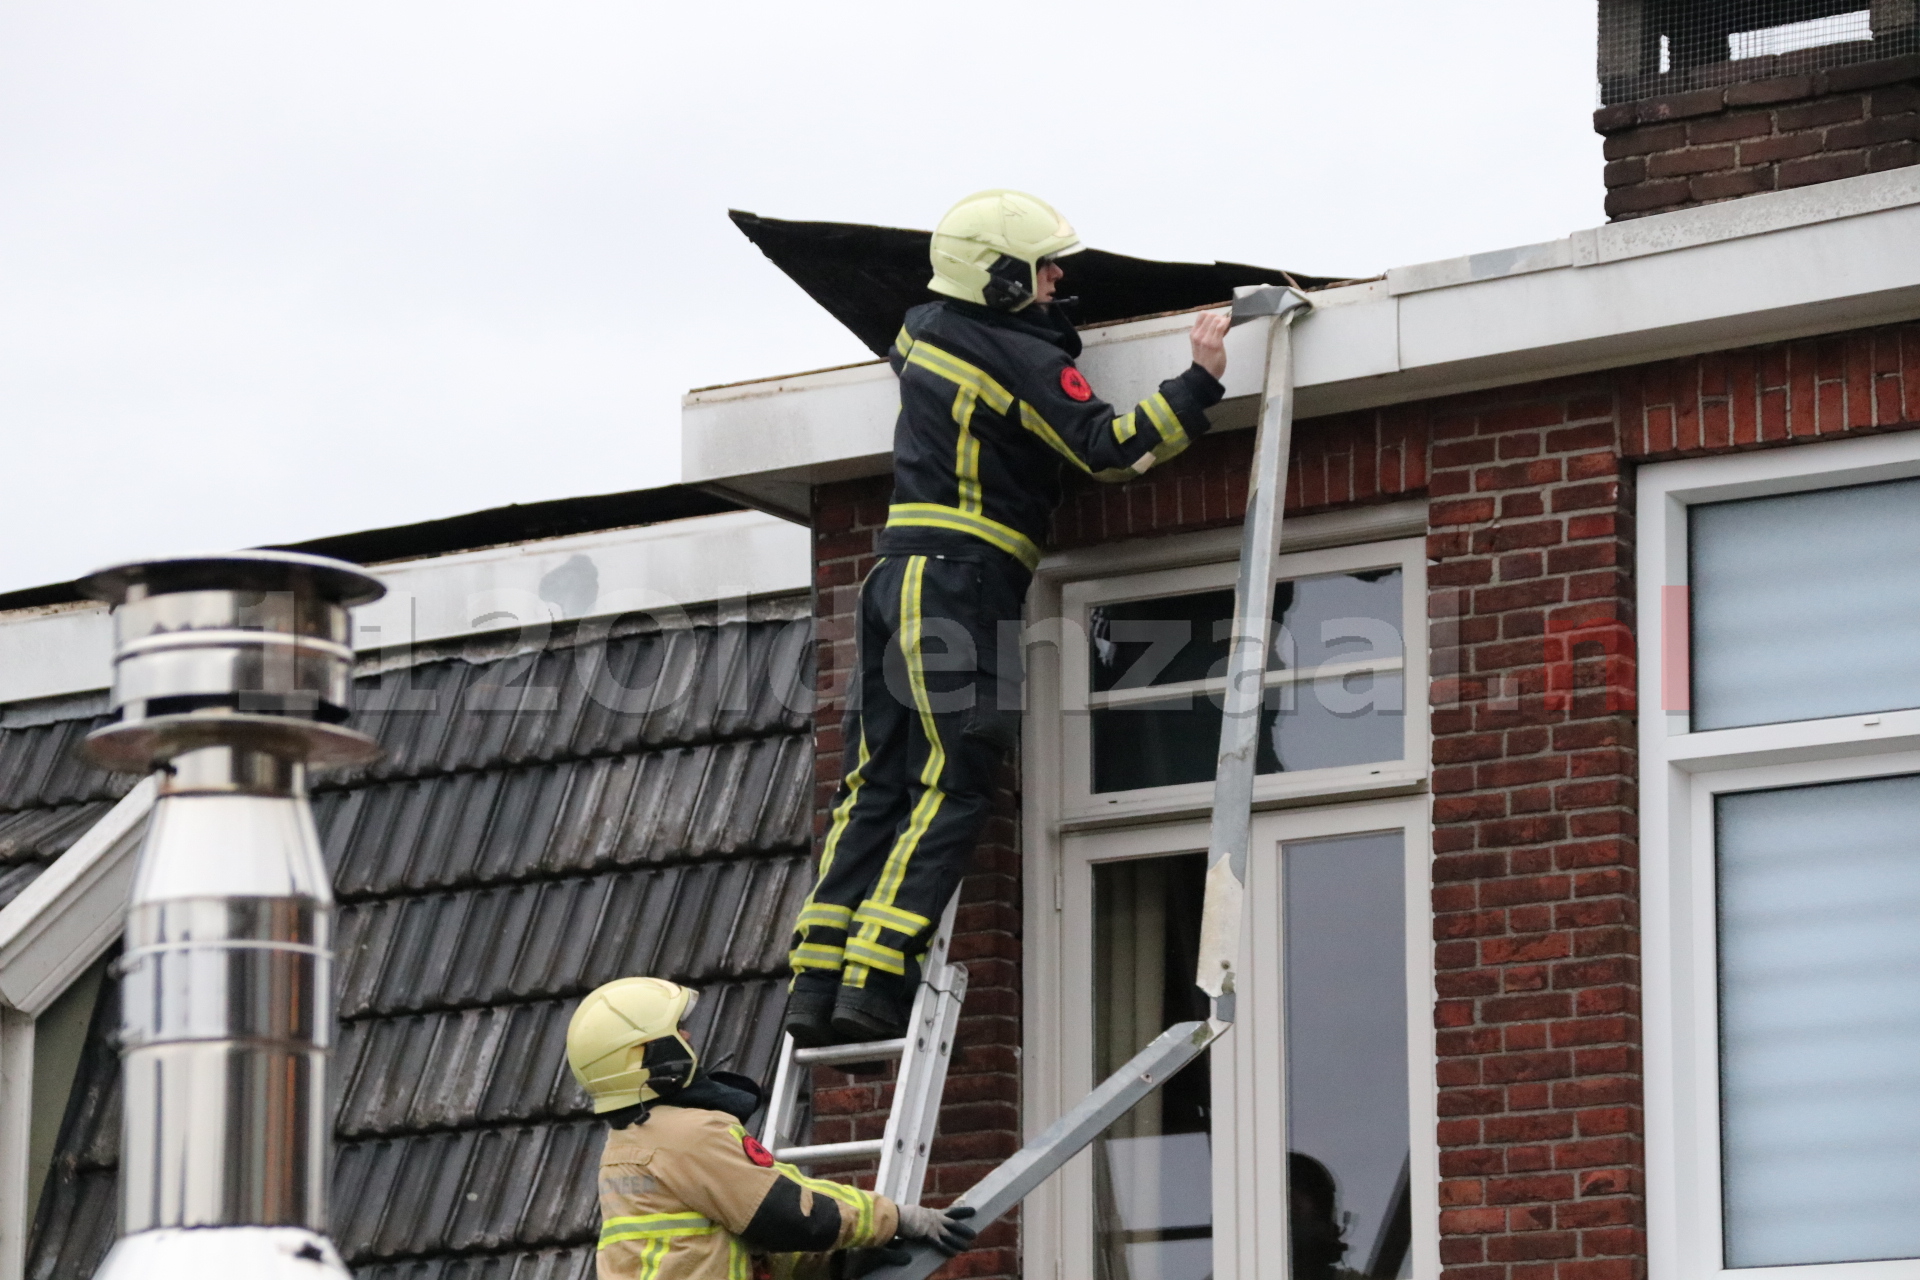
625, 1044
989, 247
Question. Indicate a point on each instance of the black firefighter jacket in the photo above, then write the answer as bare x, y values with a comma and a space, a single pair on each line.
991, 409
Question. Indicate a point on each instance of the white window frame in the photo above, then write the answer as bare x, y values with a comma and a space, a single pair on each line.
1681, 773
1056, 1059
49, 936
1080, 805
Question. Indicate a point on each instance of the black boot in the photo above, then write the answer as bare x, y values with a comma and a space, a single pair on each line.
810, 1008
880, 1010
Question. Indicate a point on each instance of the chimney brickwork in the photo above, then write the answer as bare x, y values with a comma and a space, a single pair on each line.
1733, 140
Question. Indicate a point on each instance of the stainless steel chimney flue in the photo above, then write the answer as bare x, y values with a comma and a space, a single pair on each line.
232, 674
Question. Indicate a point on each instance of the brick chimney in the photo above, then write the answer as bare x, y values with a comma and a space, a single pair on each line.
1709, 100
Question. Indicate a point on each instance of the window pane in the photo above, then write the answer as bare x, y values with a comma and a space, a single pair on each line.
1340, 617
1353, 719
1138, 643
1819, 906
1346, 1038
1153, 1198
1336, 617
1805, 605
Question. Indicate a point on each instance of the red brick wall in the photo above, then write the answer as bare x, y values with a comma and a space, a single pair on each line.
1372, 456
1535, 858
1764, 135
1534, 853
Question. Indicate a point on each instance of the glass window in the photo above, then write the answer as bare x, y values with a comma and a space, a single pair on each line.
1346, 1064
1153, 1196
1819, 923
1316, 718
1346, 1045
1805, 605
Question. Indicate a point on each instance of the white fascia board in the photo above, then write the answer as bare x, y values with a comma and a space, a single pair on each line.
737, 555
733, 556
55, 649
1765, 268
63, 921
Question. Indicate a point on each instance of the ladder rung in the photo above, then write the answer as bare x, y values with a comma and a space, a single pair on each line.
872, 1051
831, 1150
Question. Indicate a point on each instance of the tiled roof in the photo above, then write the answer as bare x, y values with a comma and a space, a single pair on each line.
512, 851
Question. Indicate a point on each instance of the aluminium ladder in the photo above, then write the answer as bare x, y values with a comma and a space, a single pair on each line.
1228, 840
923, 1054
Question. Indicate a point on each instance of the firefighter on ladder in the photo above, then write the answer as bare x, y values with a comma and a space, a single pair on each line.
992, 409
685, 1192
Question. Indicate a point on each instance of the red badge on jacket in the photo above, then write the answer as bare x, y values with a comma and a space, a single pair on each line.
755, 1152
1074, 385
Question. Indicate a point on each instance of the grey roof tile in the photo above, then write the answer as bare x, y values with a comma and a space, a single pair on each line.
497, 1065
694, 922
698, 684
41, 835
41, 765
15, 879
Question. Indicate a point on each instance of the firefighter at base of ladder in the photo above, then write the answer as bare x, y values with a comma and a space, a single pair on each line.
685, 1192
992, 410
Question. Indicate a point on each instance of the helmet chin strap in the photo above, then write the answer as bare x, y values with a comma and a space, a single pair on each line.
1011, 283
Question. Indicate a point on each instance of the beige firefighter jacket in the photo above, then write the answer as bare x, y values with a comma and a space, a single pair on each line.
689, 1195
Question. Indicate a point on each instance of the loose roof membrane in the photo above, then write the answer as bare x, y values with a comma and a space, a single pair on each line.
869, 277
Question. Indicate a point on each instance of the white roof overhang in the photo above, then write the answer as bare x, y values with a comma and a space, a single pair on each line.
528, 586
1840, 255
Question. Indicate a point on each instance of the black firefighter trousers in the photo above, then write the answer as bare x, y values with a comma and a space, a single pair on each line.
931, 714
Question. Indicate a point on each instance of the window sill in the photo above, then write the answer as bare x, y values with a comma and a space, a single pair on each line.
1273, 791
1794, 742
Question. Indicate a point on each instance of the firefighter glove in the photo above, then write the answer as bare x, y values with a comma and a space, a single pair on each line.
944, 1229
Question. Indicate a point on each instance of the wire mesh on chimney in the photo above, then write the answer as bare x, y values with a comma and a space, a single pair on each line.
1651, 48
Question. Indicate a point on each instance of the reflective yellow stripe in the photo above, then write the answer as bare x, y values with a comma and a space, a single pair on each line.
955, 370
648, 1266
1173, 437
861, 1202
1123, 428
866, 949
903, 341
1030, 419
654, 1226
966, 452
890, 917
875, 956
814, 955
830, 915
933, 515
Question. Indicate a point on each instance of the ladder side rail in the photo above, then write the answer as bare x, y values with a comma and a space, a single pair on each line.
922, 1075
783, 1101
917, 1098
1230, 831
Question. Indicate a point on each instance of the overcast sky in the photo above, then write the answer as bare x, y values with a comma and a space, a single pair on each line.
274, 271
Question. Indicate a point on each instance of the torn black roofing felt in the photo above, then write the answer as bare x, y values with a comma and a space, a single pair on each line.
493, 527
868, 277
